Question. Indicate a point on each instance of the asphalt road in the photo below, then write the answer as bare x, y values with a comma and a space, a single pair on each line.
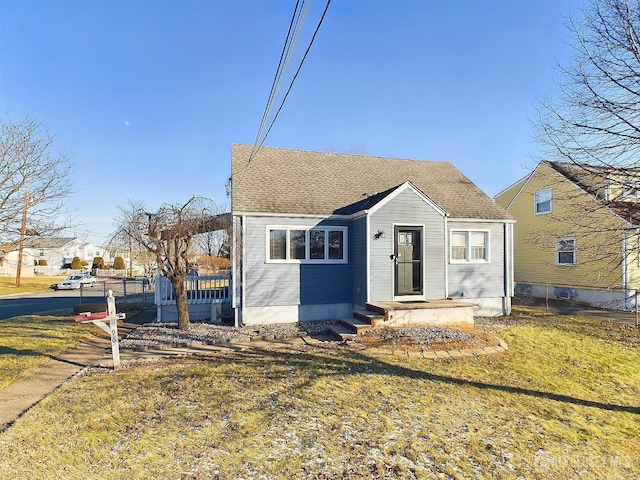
44, 302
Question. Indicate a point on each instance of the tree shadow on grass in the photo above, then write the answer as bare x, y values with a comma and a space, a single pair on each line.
354, 363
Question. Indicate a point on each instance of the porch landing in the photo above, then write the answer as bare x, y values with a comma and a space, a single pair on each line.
405, 314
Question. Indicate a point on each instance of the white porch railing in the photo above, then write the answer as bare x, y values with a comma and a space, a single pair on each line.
200, 289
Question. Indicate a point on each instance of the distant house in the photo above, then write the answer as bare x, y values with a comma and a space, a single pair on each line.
319, 235
56, 251
576, 235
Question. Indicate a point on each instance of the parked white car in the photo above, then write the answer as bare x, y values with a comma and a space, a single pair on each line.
73, 282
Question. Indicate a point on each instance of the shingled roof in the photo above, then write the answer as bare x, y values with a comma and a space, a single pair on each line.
301, 182
593, 179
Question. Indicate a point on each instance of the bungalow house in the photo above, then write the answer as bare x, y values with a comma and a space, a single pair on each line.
319, 235
576, 235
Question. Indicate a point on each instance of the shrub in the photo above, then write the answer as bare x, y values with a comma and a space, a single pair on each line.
98, 262
76, 264
118, 263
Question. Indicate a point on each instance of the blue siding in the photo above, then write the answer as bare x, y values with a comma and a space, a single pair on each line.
277, 284
479, 280
407, 208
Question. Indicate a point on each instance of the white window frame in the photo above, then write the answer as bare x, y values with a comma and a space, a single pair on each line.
467, 233
557, 252
541, 196
307, 230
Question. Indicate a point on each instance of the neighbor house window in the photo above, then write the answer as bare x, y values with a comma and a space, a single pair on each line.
469, 246
313, 245
566, 251
542, 201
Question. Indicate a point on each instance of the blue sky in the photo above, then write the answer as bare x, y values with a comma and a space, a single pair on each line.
147, 96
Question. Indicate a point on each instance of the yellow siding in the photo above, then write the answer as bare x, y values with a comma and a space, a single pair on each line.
598, 255
505, 197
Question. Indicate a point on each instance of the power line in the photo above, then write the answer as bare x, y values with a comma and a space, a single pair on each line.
291, 39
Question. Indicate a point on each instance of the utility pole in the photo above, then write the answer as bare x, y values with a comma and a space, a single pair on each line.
23, 229
130, 251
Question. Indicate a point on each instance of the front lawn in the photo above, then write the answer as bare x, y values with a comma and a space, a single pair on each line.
29, 341
562, 403
27, 284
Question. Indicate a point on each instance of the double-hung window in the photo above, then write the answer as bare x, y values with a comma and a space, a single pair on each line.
566, 251
542, 201
469, 246
312, 245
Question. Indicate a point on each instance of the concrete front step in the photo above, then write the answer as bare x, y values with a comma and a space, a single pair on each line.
367, 316
341, 332
356, 325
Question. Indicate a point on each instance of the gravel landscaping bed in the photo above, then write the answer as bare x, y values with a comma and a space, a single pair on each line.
159, 334
155, 334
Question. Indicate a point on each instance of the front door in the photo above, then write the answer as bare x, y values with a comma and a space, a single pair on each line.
408, 261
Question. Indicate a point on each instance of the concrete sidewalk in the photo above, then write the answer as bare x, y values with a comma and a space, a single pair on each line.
20, 396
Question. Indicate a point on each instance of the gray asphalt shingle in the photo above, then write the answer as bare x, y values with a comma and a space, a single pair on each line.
302, 182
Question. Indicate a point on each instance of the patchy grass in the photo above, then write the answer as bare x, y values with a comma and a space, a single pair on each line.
27, 284
562, 403
29, 341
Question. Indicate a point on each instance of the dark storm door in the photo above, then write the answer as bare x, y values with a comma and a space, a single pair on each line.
408, 261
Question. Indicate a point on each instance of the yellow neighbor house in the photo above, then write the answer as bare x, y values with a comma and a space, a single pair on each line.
576, 233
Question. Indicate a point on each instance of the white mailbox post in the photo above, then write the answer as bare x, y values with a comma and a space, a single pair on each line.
88, 314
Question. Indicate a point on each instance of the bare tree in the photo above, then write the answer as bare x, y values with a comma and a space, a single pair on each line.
34, 183
590, 131
169, 233
595, 117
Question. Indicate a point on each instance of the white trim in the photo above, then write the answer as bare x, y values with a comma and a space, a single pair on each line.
243, 270
363, 213
403, 298
526, 182
482, 220
575, 251
295, 215
408, 185
505, 190
539, 192
468, 260
324, 261
446, 256
368, 253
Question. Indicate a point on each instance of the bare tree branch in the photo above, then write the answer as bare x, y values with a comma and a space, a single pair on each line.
168, 234
29, 164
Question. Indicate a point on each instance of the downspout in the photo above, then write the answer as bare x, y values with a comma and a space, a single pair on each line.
446, 256
243, 281
508, 268
625, 270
